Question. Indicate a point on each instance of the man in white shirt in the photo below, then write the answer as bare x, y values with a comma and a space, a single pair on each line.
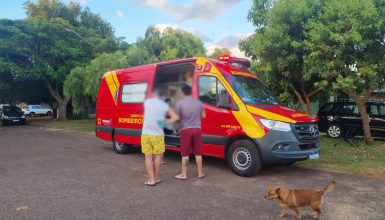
152, 138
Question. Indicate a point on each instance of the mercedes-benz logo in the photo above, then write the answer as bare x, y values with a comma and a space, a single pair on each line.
313, 132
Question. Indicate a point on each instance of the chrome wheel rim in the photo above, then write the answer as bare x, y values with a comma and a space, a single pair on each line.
334, 131
242, 158
119, 146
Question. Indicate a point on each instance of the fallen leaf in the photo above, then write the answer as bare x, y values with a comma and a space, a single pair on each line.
22, 208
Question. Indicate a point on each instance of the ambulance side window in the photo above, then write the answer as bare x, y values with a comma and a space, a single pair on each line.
211, 91
134, 93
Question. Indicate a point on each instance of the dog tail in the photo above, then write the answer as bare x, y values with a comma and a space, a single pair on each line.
329, 187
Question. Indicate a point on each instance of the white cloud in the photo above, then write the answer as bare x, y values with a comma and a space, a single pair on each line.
193, 31
120, 14
203, 10
230, 42
162, 27
200, 35
82, 2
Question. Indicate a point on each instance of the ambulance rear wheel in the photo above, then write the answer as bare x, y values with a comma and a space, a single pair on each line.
244, 158
121, 148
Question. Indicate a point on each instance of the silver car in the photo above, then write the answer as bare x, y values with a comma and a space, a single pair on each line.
33, 110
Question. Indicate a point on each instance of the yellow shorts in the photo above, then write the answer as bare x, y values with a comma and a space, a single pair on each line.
152, 144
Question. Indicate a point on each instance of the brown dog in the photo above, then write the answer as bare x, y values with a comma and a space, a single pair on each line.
295, 198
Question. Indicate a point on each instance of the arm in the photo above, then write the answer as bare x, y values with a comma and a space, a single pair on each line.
173, 116
203, 114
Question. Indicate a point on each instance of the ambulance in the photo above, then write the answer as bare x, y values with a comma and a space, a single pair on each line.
244, 123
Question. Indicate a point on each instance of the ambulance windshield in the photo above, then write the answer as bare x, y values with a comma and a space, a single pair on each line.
251, 90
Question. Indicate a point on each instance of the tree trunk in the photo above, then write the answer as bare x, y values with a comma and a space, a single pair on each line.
61, 101
361, 104
300, 99
304, 99
62, 108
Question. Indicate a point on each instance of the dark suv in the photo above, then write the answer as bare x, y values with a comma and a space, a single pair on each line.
340, 119
11, 115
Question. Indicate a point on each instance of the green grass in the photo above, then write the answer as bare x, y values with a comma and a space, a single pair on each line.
340, 156
86, 126
335, 155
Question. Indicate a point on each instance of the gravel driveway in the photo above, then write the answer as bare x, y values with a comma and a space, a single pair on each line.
53, 174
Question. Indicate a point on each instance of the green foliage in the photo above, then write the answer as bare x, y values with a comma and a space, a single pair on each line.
171, 44
219, 52
83, 82
346, 44
54, 39
278, 46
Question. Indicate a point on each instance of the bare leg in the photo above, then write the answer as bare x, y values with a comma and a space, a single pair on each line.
299, 216
185, 161
149, 168
163, 161
283, 211
198, 160
157, 162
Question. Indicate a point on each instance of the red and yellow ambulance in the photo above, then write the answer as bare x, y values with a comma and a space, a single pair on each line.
244, 123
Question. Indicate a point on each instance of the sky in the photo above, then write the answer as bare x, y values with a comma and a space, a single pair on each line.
218, 23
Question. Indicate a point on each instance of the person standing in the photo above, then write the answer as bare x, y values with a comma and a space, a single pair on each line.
190, 111
152, 138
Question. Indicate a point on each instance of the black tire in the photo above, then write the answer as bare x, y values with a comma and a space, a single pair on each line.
244, 158
49, 113
2, 122
32, 114
121, 148
335, 131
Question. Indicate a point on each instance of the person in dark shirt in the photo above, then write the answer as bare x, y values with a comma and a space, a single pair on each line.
190, 111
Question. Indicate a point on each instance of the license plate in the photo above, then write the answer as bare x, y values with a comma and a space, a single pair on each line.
313, 155
15, 120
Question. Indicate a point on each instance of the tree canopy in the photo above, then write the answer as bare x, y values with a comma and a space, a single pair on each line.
83, 82
55, 38
303, 46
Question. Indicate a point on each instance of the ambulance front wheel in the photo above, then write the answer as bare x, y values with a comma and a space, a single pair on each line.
244, 158
121, 148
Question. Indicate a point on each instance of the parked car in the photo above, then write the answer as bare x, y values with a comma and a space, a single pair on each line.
33, 110
339, 119
11, 115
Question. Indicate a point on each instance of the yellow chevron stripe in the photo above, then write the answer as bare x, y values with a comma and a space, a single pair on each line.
269, 115
113, 84
243, 116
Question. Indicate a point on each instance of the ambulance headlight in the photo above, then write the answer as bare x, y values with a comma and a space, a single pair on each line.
276, 125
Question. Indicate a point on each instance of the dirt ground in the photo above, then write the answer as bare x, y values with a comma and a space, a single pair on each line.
51, 174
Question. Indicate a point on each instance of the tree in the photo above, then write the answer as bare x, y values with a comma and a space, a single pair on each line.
219, 52
347, 49
83, 82
63, 37
170, 44
278, 48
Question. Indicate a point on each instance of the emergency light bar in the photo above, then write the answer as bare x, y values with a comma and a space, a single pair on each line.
241, 61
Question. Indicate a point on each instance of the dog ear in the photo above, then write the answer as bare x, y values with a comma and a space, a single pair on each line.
277, 190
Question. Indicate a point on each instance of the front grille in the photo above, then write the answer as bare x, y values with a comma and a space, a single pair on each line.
307, 146
306, 131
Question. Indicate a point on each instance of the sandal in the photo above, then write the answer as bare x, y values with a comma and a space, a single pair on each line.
180, 177
203, 176
149, 184
159, 181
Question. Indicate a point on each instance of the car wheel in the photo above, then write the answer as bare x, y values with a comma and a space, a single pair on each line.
32, 114
244, 158
1, 122
334, 131
49, 113
121, 148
